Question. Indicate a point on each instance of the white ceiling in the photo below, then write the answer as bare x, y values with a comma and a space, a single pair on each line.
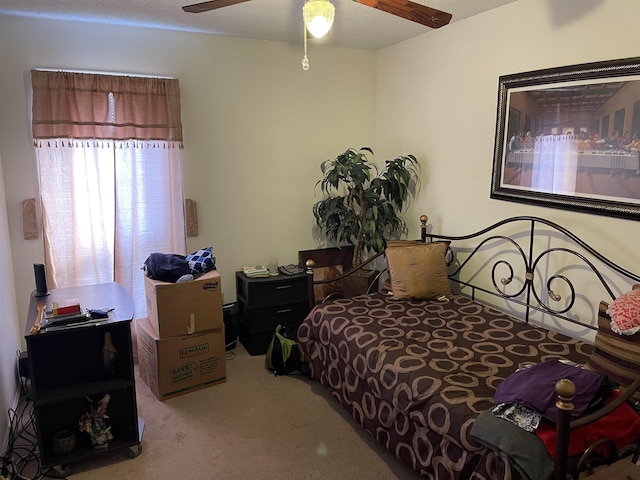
355, 26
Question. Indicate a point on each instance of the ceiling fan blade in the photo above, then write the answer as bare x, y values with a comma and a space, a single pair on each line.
211, 5
415, 12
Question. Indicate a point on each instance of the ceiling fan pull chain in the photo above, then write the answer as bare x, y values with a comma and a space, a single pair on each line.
305, 60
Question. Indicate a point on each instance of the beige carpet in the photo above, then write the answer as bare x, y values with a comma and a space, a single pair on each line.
254, 426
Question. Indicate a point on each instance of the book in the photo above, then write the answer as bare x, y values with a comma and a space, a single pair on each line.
256, 271
65, 307
70, 318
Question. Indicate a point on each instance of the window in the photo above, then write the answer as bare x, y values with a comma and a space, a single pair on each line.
109, 156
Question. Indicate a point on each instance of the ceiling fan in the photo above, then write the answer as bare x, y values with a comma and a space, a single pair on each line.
407, 9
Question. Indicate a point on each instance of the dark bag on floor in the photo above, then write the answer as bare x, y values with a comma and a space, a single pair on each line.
283, 354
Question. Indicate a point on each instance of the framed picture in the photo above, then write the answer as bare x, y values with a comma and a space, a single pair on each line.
569, 138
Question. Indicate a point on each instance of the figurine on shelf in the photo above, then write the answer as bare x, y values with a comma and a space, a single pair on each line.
93, 423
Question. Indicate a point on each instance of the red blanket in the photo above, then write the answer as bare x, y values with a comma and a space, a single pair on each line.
621, 426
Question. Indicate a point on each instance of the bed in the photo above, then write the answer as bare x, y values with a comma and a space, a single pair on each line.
418, 366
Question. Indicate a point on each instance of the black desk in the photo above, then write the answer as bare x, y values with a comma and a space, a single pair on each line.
66, 366
102, 296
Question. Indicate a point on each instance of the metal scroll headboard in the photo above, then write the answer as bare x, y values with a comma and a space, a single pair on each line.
532, 283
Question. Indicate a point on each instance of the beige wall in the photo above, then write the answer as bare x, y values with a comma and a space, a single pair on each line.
256, 127
437, 96
10, 337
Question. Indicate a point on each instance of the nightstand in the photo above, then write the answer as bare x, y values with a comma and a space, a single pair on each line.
268, 302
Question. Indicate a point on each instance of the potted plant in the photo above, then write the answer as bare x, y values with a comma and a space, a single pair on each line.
362, 204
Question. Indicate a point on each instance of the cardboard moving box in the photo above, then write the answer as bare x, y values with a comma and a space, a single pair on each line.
176, 309
178, 365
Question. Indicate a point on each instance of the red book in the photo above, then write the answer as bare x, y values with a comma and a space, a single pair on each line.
66, 307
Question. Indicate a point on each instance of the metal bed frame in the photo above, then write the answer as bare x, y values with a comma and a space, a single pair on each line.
535, 281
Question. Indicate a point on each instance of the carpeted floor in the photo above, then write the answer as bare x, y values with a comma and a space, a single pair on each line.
254, 426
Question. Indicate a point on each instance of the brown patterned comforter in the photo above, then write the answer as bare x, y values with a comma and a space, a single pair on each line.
416, 374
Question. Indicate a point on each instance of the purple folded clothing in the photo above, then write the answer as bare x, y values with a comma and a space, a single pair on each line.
536, 385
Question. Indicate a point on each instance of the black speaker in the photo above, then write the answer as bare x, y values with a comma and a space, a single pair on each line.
41, 280
231, 318
23, 364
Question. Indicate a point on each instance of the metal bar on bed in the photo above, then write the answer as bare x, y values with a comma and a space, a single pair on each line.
566, 390
525, 295
531, 261
529, 274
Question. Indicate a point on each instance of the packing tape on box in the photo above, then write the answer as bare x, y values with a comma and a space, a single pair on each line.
192, 327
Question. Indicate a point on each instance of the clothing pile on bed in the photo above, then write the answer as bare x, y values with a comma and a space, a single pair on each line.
525, 411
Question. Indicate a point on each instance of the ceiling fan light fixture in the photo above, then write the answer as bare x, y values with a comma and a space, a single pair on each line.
318, 16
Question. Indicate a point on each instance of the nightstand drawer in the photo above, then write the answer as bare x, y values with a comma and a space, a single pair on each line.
258, 325
280, 290
268, 318
255, 343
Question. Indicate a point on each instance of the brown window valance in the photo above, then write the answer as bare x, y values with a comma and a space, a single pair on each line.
97, 106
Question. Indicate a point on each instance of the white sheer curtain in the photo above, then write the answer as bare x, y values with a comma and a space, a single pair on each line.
149, 210
555, 164
109, 153
77, 190
106, 206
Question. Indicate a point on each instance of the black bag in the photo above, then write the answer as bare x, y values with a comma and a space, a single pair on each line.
166, 267
283, 354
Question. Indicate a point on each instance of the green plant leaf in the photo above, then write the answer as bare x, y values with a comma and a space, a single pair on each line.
362, 204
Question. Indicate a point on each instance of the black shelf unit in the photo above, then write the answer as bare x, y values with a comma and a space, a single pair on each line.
66, 366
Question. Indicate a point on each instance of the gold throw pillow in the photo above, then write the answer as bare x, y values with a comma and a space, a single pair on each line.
418, 271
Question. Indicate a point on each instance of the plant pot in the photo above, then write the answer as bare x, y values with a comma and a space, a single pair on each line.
63, 442
360, 282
